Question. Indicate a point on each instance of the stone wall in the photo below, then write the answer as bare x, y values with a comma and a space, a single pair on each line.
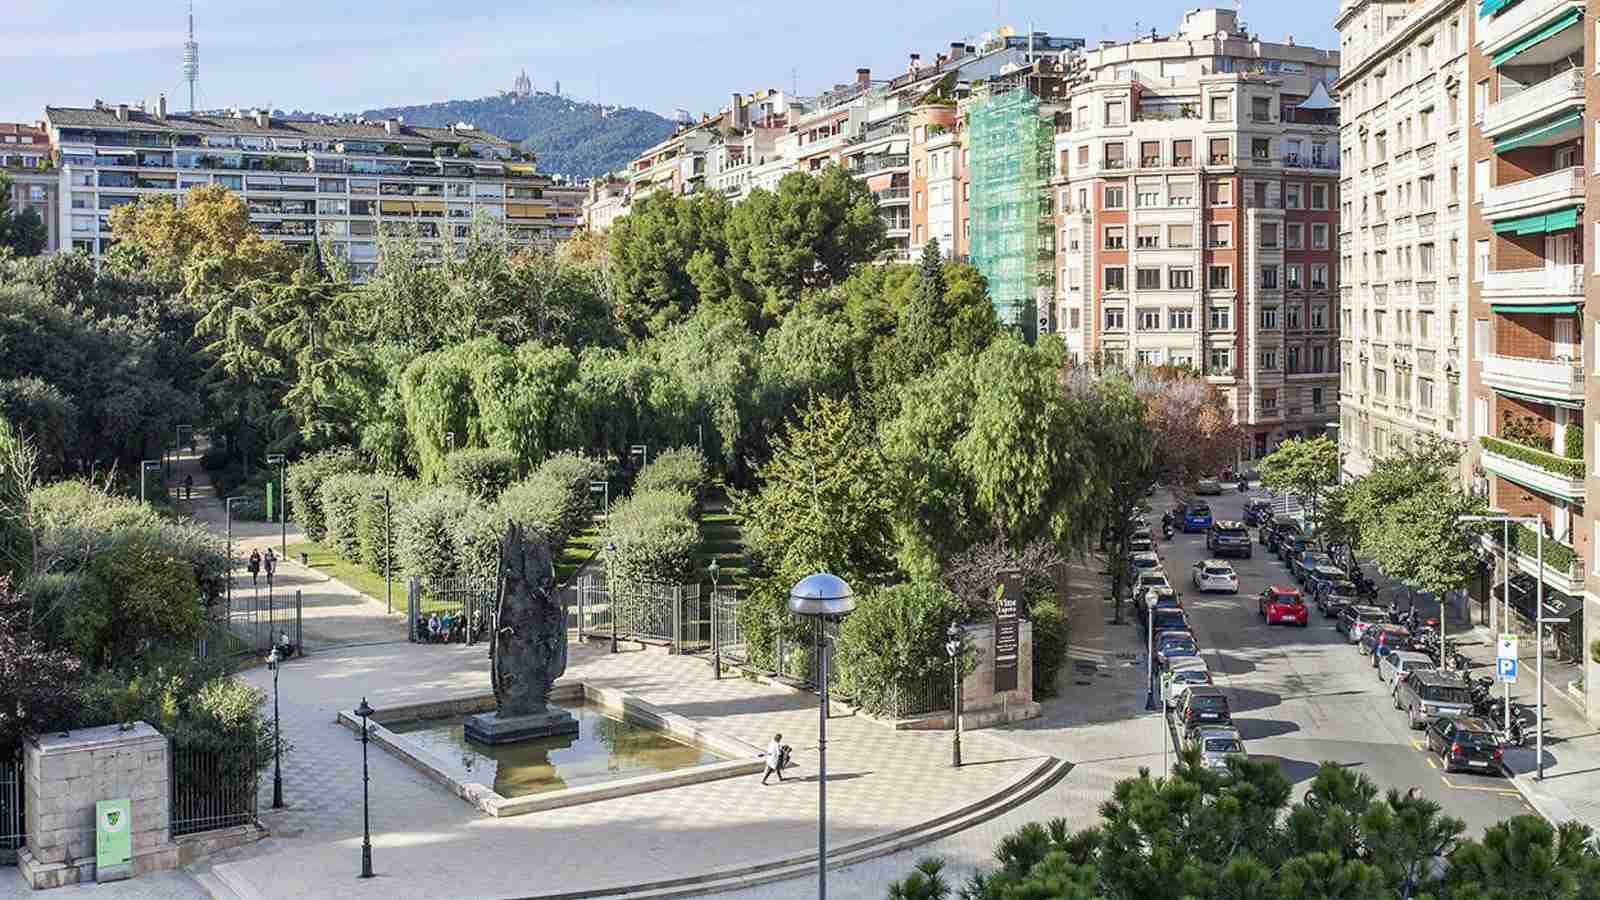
981, 705
64, 775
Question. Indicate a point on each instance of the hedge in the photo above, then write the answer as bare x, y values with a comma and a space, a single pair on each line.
482, 472
303, 483
1574, 441
654, 537
370, 517
1525, 541
1050, 638
680, 469
341, 498
554, 501
1568, 468
895, 638
425, 533
476, 538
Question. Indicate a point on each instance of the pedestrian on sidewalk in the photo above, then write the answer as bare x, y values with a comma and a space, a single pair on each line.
775, 755
254, 565
270, 563
188, 488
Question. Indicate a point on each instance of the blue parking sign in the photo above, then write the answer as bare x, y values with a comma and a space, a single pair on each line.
1506, 669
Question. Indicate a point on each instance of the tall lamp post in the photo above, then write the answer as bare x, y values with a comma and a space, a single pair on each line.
642, 451
228, 507
365, 712
388, 552
823, 598
716, 644
274, 662
611, 595
953, 647
145, 468
277, 459
603, 488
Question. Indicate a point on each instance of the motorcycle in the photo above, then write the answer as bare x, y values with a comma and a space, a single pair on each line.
1166, 530
1244, 486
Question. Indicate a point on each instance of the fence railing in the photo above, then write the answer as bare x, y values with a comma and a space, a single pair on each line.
212, 789
675, 614
13, 821
454, 609
253, 619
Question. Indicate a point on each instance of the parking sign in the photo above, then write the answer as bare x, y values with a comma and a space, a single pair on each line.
1506, 669
1506, 647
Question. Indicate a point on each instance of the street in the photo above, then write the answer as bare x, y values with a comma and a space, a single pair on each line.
1302, 696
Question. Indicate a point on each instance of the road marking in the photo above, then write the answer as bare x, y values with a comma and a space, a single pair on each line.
1485, 790
1433, 765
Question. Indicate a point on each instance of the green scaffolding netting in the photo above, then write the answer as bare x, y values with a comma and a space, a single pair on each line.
1009, 205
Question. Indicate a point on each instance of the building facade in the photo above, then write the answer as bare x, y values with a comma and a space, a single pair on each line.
35, 183
1196, 208
345, 183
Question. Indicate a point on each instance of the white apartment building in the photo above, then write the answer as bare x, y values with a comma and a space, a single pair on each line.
1402, 231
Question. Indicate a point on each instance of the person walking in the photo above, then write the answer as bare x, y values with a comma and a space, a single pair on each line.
774, 759
188, 488
254, 565
270, 563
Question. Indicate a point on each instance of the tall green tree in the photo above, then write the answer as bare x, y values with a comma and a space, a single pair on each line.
651, 253
1307, 468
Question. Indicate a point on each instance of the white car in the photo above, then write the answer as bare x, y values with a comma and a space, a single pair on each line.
1215, 575
1142, 561
1394, 665
1182, 673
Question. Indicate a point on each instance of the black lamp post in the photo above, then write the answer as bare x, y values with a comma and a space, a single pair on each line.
274, 661
954, 647
716, 645
823, 598
365, 711
611, 595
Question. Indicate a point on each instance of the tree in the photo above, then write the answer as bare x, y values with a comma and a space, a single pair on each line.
651, 251
207, 244
23, 233
925, 324
1307, 468
37, 683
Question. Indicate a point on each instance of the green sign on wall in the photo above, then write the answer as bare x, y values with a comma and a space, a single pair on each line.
269, 502
113, 841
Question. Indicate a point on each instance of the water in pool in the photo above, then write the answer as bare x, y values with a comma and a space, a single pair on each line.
604, 749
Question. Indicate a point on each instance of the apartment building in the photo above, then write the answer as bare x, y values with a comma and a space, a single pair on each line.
346, 183
938, 183
35, 184
1403, 228
1531, 99
1195, 212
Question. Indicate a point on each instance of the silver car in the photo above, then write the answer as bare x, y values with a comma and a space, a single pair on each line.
1216, 744
1182, 673
1396, 664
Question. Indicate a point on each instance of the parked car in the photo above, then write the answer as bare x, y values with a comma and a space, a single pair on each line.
1215, 575
1355, 621
1142, 562
1196, 517
1229, 537
1332, 597
1141, 543
1147, 580
1256, 511
1380, 640
1320, 575
1175, 645
1273, 528
1216, 743
1164, 620
1288, 546
1156, 598
1466, 743
1182, 673
1202, 705
1395, 665
1208, 486
1426, 695
1302, 563
1283, 604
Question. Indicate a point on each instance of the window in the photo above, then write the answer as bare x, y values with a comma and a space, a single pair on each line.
1116, 196
1380, 384
1183, 153
1294, 236
1269, 235
1147, 279
1116, 278
1151, 357
1149, 153
1318, 360
1480, 260
1292, 281
1180, 193
1180, 236
1425, 394
1292, 194
1260, 149
1291, 360
1480, 98
1115, 155
1425, 191
1480, 420
1221, 318
1319, 236
1222, 108
1269, 317
1149, 320
1148, 197
1319, 196
1319, 317
1319, 276
1083, 155
1269, 277
1180, 279
1219, 278
1268, 360
1180, 319
1219, 193
1219, 151
1115, 320
1220, 361
1480, 180
1114, 113
1219, 235
1074, 319
1148, 237
1116, 237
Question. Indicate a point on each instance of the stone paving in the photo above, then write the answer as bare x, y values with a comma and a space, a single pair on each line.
175, 885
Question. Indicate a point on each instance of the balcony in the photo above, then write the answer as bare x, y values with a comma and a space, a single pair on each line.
1501, 31
1556, 379
875, 163
1555, 190
1541, 101
1563, 566
895, 195
1536, 469
1535, 287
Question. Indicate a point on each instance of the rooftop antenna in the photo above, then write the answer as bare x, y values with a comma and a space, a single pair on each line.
191, 59
794, 76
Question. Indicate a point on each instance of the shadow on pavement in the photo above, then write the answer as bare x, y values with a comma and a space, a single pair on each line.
1296, 770
1257, 729
1246, 699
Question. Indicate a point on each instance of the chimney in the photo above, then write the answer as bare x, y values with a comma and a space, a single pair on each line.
161, 106
737, 111
956, 49
864, 77
263, 118
122, 112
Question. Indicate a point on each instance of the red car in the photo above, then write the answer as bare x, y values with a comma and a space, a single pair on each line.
1283, 604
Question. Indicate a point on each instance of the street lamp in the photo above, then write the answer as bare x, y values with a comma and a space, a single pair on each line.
277, 459
642, 451
388, 553
146, 467
822, 598
602, 488
953, 647
611, 594
178, 439
1537, 524
716, 645
449, 442
228, 506
365, 712
274, 661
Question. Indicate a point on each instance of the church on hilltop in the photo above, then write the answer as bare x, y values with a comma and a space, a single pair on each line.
523, 86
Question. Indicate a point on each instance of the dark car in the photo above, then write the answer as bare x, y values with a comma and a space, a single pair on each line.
1203, 705
1427, 696
1274, 528
1466, 743
1302, 563
1256, 511
1291, 544
1161, 597
1379, 640
1173, 644
1321, 575
1166, 620
1335, 596
1227, 537
1196, 517
1357, 617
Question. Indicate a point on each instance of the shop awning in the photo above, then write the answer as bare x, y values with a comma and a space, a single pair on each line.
397, 207
1543, 132
1559, 24
1539, 224
1489, 7
880, 182
1552, 308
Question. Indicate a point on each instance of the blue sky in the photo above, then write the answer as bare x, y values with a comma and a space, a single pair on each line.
349, 55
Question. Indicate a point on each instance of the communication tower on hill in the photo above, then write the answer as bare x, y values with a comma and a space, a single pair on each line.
191, 59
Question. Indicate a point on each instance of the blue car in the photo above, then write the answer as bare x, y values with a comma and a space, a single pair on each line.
1197, 517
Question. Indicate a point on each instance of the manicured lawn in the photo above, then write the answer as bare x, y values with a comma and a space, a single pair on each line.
353, 574
722, 539
580, 549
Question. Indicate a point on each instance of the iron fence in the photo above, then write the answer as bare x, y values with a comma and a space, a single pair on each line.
918, 697
212, 789
13, 820
454, 609
253, 620
674, 614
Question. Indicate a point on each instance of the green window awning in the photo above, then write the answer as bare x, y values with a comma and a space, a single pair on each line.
1539, 224
1559, 24
1552, 308
1573, 122
1489, 7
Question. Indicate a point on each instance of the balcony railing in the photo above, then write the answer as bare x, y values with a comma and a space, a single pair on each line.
1558, 379
1534, 286
1562, 187
1498, 31
1547, 472
874, 163
891, 194
1534, 103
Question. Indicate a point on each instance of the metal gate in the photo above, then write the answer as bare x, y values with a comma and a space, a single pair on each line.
455, 609
255, 619
677, 615
13, 821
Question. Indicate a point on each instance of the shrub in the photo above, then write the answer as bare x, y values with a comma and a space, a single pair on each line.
476, 536
654, 536
554, 501
1573, 441
154, 591
303, 483
482, 472
193, 702
1050, 638
895, 639
370, 522
342, 498
425, 536
37, 682
681, 469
